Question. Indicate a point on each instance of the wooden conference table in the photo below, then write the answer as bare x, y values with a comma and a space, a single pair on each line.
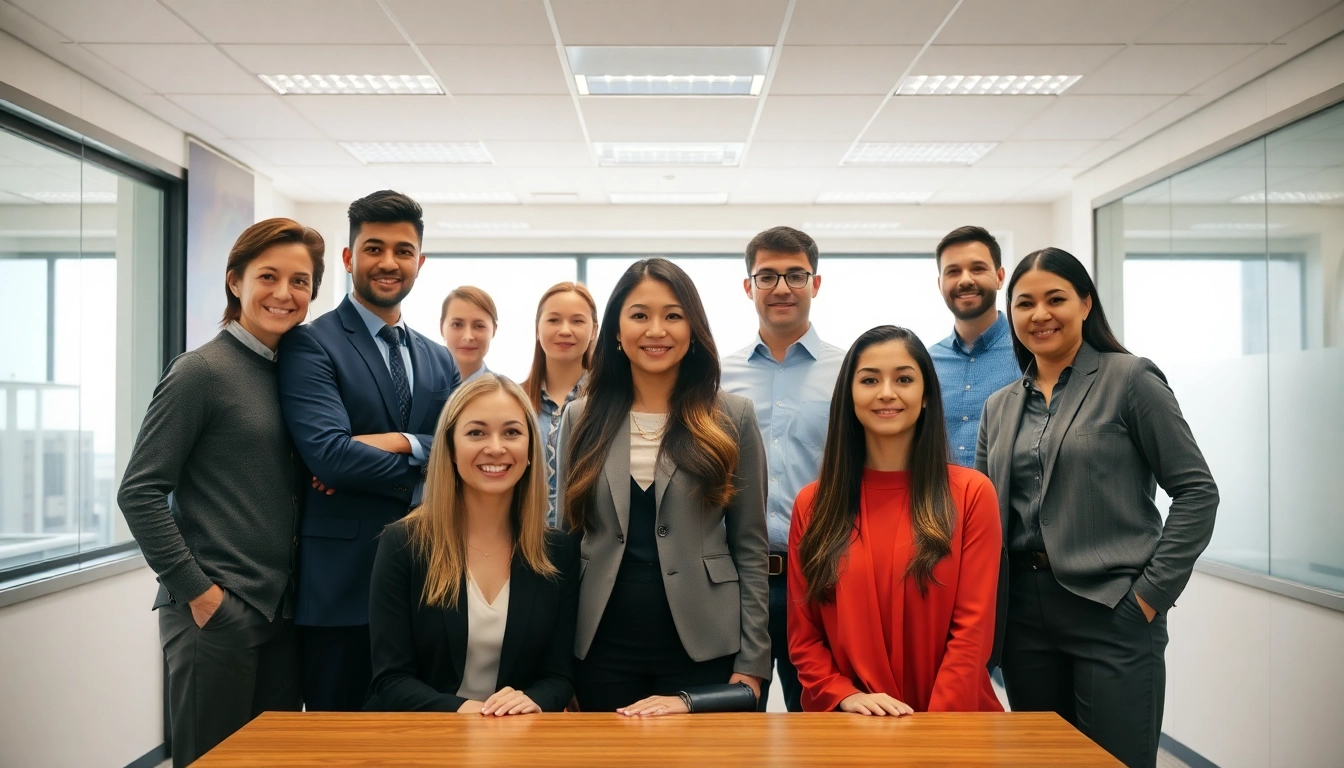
577, 739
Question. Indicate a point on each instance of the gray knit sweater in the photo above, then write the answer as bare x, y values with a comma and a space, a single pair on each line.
211, 491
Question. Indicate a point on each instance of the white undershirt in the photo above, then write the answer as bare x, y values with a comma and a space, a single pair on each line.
485, 637
643, 451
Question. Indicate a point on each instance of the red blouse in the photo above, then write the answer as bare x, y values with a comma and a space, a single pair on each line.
880, 635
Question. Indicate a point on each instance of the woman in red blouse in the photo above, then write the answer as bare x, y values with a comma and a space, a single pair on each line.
893, 553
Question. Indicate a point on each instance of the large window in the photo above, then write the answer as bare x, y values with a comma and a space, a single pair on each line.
858, 292
81, 292
1232, 276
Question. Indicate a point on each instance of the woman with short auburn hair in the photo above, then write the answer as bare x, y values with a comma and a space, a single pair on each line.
211, 495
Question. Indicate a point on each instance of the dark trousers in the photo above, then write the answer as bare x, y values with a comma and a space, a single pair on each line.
1102, 669
637, 652
222, 675
337, 668
785, 673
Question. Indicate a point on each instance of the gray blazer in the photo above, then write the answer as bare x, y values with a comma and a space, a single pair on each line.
714, 559
1119, 430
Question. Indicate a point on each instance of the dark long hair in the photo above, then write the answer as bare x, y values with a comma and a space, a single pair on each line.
699, 438
835, 508
1096, 331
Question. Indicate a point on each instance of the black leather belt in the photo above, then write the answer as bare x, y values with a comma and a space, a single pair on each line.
1036, 561
777, 564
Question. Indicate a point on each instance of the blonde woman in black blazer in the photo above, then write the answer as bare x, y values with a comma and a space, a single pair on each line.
477, 548
1075, 450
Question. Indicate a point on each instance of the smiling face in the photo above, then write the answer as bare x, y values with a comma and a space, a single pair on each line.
888, 390
467, 330
968, 280
566, 329
274, 291
384, 262
1048, 315
490, 444
783, 310
654, 332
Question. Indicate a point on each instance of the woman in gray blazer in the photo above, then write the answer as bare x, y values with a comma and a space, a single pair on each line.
1075, 450
662, 476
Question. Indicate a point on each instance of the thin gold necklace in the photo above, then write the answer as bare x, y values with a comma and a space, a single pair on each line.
652, 438
482, 551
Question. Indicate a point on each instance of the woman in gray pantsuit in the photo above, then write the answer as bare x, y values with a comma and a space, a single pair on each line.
1075, 450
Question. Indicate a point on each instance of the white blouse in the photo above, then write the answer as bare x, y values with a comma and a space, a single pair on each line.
646, 435
485, 637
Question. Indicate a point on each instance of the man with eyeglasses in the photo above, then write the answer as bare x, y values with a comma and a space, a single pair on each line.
789, 374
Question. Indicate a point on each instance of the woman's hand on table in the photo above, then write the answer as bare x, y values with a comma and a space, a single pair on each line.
654, 706
879, 704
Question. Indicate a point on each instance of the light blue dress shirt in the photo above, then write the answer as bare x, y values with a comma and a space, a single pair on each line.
375, 324
484, 369
793, 402
968, 376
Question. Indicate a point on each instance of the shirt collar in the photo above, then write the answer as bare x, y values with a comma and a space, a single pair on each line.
375, 323
987, 339
573, 393
251, 342
810, 343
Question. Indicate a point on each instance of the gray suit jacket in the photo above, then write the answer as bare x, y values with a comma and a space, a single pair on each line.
713, 558
1119, 429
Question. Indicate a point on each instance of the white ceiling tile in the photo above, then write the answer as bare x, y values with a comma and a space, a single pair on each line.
878, 179
777, 186
522, 118
498, 69
591, 184
1014, 59
425, 180
866, 22
540, 154
954, 118
300, 153
1095, 156
111, 21
179, 68
815, 118
327, 59
342, 183
473, 22
617, 118
772, 154
1157, 69
1044, 154
290, 22
1051, 22
1162, 117
1234, 21
990, 185
840, 70
657, 22
1046, 190
385, 118
248, 117
1089, 117
178, 117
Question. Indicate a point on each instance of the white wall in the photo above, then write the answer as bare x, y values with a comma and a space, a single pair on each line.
82, 676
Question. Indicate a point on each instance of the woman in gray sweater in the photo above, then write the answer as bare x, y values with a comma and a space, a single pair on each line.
211, 494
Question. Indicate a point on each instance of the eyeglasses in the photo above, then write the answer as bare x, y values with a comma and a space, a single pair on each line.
768, 280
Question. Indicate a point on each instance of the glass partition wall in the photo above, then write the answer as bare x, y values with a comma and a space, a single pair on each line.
1232, 278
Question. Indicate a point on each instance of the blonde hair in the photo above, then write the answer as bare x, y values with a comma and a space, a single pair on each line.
436, 528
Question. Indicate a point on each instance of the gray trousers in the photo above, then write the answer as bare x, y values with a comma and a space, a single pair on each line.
222, 675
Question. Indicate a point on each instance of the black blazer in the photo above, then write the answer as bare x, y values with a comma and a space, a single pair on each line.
419, 652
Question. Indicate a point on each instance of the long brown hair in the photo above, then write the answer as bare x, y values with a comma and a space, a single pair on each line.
536, 377
436, 528
699, 439
254, 241
835, 508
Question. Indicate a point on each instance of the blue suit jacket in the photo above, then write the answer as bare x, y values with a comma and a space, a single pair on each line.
334, 384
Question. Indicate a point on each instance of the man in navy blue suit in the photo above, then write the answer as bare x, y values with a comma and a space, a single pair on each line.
361, 394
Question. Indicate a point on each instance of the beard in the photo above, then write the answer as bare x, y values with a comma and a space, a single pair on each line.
364, 288
986, 304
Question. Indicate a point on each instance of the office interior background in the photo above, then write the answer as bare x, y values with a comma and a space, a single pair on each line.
1190, 151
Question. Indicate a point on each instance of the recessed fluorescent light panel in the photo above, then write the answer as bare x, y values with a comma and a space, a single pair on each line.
346, 85
669, 71
669, 198
71, 197
667, 153
485, 226
893, 197
851, 226
986, 85
478, 198
459, 152
920, 153
1299, 198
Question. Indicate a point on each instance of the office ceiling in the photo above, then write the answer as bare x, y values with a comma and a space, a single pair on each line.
833, 70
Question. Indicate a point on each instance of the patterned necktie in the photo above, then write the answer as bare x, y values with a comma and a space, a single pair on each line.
392, 335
